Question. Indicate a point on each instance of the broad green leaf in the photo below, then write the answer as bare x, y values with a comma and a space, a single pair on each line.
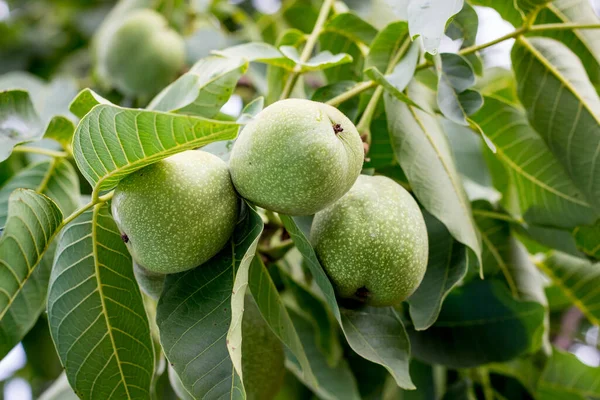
85, 101
346, 33
563, 107
455, 99
334, 382
314, 309
514, 11
58, 180
480, 323
565, 377
385, 45
194, 316
546, 193
376, 334
428, 19
252, 225
276, 76
50, 99
381, 153
55, 178
204, 89
96, 312
276, 315
447, 265
588, 239
111, 142
59, 390
583, 42
375, 75
417, 140
464, 26
61, 130
33, 220
27, 306
19, 123
351, 26
500, 83
251, 110
328, 92
257, 52
318, 62
578, 278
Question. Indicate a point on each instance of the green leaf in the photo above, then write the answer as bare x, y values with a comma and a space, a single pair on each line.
328, 92
513, 11
464, 26
96, 312
563, 107
111, 142
33, 220
320, 61
19, 123
204, 89
500, 83
244, 251
455, 99
418, 140
474, 325
55, 178
376, 334
346, 33
579, 279
447, 265
375, 75
428, 19
546, 193
251, 110
385, 45
588, 239
314, 309
276, 315
61, 130
351, 26
583, 42
565, 377
258, 52
335, 382
194, 316
276, 76
85, 101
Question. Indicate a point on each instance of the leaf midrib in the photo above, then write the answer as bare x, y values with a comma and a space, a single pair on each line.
101, 294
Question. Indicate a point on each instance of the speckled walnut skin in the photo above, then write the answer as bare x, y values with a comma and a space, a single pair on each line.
372, 242
177, 213
296, 157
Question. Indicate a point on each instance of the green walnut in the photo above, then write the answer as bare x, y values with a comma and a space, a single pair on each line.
296, 157
143, 55
177, 213
372, 242
262, 355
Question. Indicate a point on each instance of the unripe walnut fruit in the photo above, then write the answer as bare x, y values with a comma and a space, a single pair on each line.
177, 213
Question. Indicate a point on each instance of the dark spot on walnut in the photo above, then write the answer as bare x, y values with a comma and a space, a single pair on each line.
125, 238
337, 128
362, 293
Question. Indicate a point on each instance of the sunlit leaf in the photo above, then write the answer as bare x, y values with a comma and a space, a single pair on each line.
565, 377
418, 140
563, 107
204, 89
111, 142
85, 101
546, 193
428, 19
